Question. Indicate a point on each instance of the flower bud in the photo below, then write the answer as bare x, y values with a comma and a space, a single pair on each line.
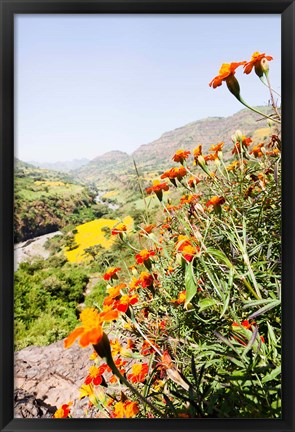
103, 347
233, 86
238, 135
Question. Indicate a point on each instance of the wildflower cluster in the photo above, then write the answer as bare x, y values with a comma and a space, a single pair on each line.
195, 318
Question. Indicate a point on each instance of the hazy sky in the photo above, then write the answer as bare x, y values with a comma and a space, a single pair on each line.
85, 85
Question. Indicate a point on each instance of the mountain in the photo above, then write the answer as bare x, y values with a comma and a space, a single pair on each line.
206, 131
65, 166
116, 165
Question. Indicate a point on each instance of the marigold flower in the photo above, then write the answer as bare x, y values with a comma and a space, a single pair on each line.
147, 348
197, 152
217, 147
119, 229
186, 247
125, 409
181, 297
95, 375
144, 255
225, 72
91, 330
86, 390
111, 273
248, 326
193, 181
158, 188
215, 201
274, 152
147, 229
123, 304
175, 173
188, 199
115, 291
115, 347
63, 411
139, 372
145, 279
210, 157
256, 150
255, 62
181, 155
245, 142
244, 323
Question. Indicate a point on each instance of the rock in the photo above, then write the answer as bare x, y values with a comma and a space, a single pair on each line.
27, 406
47, 377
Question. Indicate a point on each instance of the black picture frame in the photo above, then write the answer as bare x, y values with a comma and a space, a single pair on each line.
11, 7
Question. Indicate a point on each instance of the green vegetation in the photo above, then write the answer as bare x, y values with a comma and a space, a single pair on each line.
46, 295
46, 201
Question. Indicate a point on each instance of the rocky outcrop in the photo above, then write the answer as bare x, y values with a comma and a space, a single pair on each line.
47, 377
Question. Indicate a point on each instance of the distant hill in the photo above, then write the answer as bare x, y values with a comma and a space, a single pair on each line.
45, 201
65, 166
115, 166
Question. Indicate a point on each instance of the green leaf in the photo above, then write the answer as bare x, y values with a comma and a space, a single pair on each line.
272, 375
265, 309
206, 303
220, 255
190, 285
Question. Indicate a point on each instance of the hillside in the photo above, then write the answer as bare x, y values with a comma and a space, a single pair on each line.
46, 201
63, 166
116, 167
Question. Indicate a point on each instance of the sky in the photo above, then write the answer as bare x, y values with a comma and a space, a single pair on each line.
88, 84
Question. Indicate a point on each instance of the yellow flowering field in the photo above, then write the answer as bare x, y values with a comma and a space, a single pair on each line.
91, 234
110, 194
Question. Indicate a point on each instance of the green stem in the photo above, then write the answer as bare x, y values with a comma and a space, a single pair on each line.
263, 82
257, 111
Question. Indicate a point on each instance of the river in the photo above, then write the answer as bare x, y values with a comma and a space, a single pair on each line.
32, 248
99, 200
29, 249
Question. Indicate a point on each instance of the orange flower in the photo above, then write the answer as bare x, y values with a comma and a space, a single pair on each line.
215, 201
181, 297
111, 272
95, 375
210, 157
274, 152
217, 147
186, 247
91, 330
144, 255
245, 142
226, 71
256, 62
244, 323
158, 188
123, 304
116, 290
146, 348
64, 411
145, 279
188, 199
115, 347
139, 372
197, 151
147, 229
256, 150
175, 173
119, 229
193, 181
125, 409
181, 155
248, 326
